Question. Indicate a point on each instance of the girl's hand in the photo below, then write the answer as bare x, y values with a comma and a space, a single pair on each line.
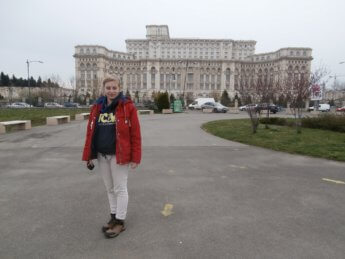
90, 165
133, 165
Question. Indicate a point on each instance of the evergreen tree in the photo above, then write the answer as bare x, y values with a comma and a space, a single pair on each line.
5, 79
1, 77
23, 82
14, 81
172, 98
39, 82
32, 82
225, 100
163, 101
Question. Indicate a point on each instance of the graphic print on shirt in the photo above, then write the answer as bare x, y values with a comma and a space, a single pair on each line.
106, 119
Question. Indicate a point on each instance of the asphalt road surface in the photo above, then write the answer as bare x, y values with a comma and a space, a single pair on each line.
194, 196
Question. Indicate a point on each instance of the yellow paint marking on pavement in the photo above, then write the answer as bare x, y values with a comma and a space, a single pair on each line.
167, 211
333, 181
236, 166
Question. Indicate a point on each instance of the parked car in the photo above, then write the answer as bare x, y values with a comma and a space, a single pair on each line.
19, 105
323, 107
341, 109
52, 105
196, 104
71, 105
216, 107
247, 106
266, 106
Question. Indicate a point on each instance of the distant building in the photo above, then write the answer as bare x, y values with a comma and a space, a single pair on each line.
335, 96
193, 67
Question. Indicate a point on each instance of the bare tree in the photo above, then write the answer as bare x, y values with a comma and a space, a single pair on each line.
248, 90
298, 86
266, 88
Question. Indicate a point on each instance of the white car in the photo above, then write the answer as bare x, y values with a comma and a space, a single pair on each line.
52, 105
19, 105
323, 107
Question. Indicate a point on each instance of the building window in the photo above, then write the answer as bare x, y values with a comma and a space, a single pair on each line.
202, 82
144, 80
153, 77
161, 81
207, 82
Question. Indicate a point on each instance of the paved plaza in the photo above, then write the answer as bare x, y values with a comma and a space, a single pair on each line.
194, 196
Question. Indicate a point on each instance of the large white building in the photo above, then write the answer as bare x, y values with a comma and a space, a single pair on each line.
184, 66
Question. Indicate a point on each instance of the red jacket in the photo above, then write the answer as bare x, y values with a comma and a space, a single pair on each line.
128, 137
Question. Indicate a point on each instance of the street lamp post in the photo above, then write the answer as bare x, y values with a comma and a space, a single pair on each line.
28, 65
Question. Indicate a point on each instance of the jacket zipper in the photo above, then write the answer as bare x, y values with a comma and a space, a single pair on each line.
118, 141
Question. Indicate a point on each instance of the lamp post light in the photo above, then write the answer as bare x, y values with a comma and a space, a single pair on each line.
28, 64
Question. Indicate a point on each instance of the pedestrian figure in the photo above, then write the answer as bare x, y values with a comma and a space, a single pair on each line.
113, 138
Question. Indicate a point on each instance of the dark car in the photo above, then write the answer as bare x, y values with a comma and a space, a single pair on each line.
266, 106
71, 105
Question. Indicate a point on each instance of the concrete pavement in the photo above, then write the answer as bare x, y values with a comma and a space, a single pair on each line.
229, 200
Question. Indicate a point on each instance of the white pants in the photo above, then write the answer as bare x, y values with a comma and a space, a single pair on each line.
115, 180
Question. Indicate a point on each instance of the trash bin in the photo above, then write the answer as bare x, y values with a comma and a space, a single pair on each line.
177, 107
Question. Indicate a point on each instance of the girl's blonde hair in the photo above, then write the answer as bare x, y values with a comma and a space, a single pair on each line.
112, 78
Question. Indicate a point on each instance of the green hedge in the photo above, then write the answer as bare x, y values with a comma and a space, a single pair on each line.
325, 122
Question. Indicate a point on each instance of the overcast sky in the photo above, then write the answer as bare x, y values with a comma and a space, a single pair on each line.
48, 30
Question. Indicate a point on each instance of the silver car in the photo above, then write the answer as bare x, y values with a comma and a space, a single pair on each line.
52, 105
216, 107
19, 105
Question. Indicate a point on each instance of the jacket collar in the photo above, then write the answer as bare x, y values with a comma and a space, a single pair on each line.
101, 100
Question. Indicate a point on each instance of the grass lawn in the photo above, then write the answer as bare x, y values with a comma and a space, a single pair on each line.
311, 142
37, 115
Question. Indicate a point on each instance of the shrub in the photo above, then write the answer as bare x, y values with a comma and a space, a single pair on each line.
163, 101
224, 99
326, 122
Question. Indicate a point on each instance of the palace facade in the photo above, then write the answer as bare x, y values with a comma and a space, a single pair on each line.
184, 66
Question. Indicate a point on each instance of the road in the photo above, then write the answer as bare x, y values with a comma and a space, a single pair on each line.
220, 199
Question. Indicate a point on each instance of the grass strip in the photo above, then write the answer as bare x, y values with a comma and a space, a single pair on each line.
311, 142
38, 115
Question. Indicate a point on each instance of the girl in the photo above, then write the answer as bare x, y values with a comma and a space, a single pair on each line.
113, 138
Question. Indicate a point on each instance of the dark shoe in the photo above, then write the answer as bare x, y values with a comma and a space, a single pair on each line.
116, 229
110, 224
